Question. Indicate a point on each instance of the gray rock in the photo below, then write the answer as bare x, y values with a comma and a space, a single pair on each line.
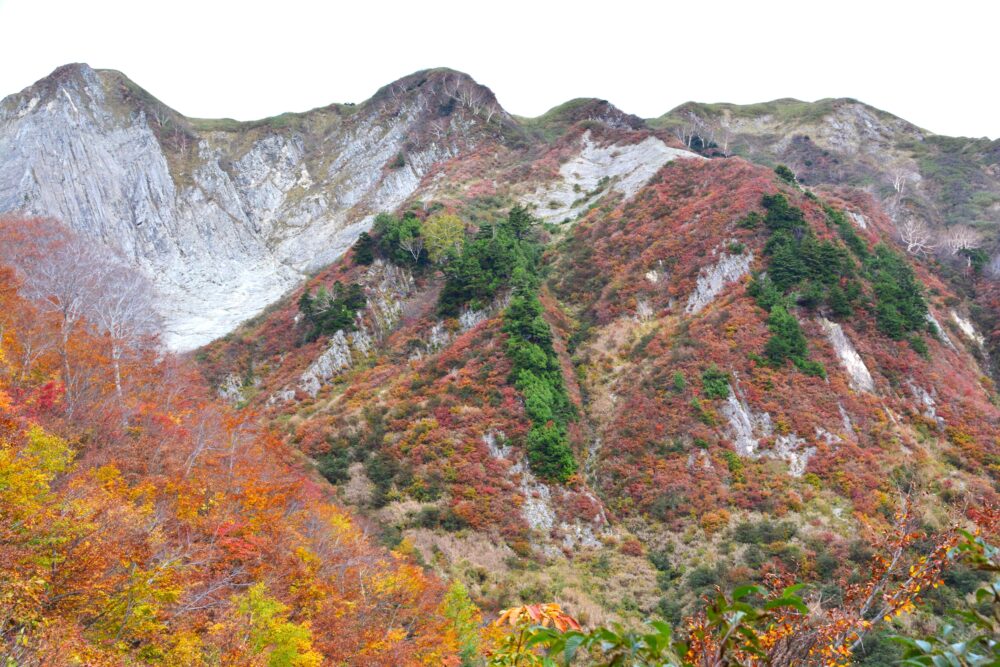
223, 218
714, 279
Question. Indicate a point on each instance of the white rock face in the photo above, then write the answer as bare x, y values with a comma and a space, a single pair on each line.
440, 336
858, 219
596, 169
711, 281
224, 223
386, 286
940, 329
845, 420
537, 509
497, 445
231, 389
968, 328
860, 379
748, 428
470, 318
336, 358
925, 398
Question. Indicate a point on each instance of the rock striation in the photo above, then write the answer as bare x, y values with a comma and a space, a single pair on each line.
225, 217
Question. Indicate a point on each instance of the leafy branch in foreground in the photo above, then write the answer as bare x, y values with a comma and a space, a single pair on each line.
974, 638
755, 626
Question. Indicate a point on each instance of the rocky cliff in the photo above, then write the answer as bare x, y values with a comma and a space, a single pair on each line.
226, 216
944, 181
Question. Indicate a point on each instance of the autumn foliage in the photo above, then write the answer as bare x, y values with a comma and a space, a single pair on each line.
157, 526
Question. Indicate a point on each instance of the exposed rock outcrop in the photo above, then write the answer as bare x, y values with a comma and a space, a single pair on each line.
224, 217
968, 328
859, 378
711, 281
749, 427
598, 169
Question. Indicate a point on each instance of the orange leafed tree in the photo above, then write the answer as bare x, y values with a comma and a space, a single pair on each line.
141, 521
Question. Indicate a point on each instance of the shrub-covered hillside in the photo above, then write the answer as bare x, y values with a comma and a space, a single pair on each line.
708, 380
143, 521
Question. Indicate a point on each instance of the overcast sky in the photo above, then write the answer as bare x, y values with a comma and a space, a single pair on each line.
936, 67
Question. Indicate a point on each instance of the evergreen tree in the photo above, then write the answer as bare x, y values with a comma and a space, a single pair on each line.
364, 249
787, 340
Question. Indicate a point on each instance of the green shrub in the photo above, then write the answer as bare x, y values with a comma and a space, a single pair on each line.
715, 383
784, 173
364, 249
333, 466
327, 312
549, 453
900, 308
764, 532
702, 577
487, 263
660, 560
505, 255
751, 221
399, 239
670, 610
787, 340
734, 463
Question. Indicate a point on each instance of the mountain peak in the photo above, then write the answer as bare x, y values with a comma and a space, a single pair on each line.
580, 109
72, 75
443, 90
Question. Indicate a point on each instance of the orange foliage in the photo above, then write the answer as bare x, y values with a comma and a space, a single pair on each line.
131, 532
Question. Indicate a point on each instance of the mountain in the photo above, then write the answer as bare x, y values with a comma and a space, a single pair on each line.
226, 216
757, 368
585, 357
944, 180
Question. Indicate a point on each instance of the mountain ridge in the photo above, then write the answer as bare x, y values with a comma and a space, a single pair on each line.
229, 171
578, 358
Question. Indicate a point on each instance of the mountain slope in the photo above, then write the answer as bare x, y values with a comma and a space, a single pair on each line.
226, 216
688, 370
946, 181
686, 431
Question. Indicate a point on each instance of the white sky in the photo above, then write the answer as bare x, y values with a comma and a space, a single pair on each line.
932, 63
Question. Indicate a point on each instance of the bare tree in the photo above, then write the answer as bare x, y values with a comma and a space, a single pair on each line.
725, 136
685, 132
79, 282
59, 272
899, 178
123, 310
706, 132
413, 244
465, 93
159, 115
961, 237
439, 128
916, 236
491, 111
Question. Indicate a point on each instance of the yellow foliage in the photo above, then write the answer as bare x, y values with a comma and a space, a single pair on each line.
188, 650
